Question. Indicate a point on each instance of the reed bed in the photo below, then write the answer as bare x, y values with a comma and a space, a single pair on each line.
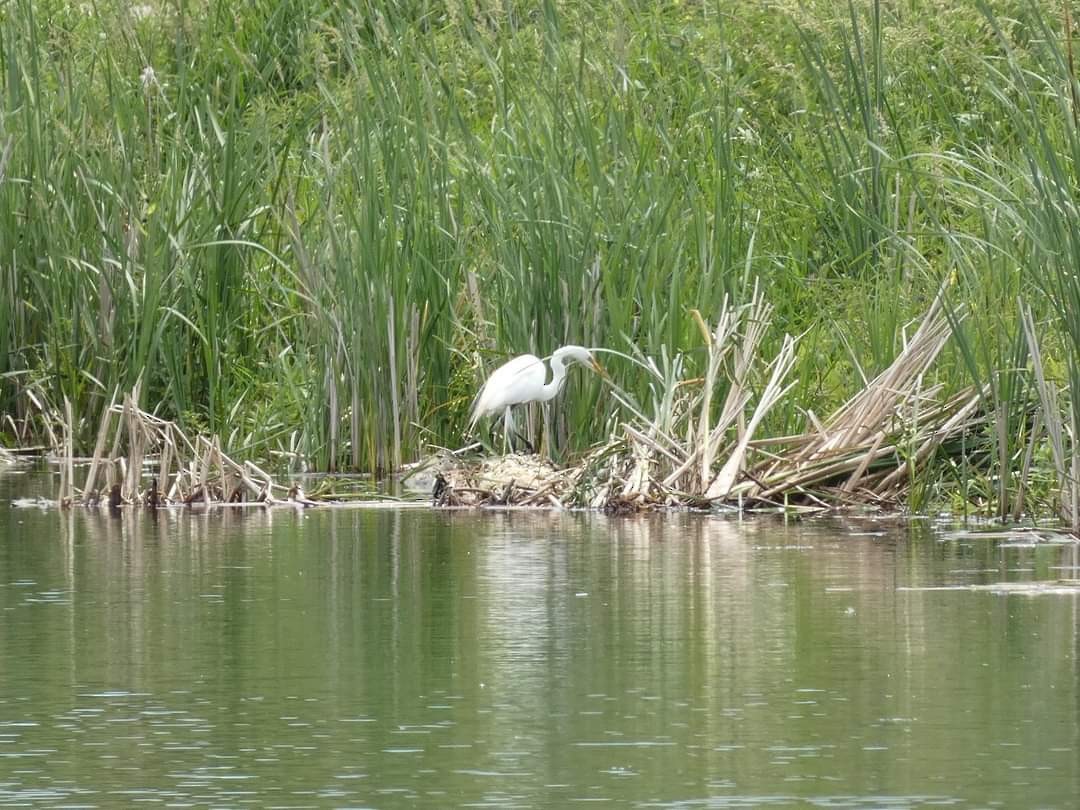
308, 227
672, 453
668, 453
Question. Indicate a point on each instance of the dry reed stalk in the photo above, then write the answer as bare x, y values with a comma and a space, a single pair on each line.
241, 474
718, 344
202, 469
69, 461
638, 483
680, 410
852, 438
774, 391
738, 334
204, 461
860, 471
219, 465
819, 471
136, 441
965, 405
412, 363
863, 413
165, 462
330, 382
67, 473
99, 448
733, 409
192, 482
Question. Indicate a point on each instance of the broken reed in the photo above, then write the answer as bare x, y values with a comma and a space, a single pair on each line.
187, 470
310, 231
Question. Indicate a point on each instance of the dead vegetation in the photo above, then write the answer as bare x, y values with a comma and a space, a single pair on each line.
695, 441
186, 471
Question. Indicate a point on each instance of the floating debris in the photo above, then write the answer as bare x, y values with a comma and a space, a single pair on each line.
1014, 537
1061, 587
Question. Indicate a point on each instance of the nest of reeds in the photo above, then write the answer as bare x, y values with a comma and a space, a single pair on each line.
697, 443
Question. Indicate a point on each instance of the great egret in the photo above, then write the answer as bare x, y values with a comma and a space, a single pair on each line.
522, 380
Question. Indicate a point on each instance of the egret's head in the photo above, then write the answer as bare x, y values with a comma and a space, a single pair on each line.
577, 354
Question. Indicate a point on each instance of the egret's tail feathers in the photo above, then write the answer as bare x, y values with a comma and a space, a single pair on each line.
481, 405
475, 412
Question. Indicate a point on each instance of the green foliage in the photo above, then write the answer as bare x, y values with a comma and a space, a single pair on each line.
309, 226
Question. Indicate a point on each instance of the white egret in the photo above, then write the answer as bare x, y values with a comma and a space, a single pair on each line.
522, 380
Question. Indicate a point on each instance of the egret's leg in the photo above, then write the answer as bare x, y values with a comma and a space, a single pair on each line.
508, 431
545, 443
523, 438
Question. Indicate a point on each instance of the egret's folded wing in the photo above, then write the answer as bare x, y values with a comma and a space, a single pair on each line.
515, 381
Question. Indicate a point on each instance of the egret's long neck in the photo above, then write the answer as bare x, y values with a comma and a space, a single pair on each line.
558, 377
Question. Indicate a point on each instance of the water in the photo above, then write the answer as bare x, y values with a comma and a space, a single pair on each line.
346, 658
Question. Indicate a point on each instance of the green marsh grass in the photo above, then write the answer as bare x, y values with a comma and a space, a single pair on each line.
311, 227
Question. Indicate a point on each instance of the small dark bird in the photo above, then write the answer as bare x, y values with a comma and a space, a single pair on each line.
440, 487
297, 496
153, 495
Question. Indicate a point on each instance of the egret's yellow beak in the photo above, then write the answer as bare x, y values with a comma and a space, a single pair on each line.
599, 369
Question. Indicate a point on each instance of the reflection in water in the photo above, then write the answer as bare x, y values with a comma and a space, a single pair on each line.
379, 658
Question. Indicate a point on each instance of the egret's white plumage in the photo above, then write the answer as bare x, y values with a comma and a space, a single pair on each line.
523, 379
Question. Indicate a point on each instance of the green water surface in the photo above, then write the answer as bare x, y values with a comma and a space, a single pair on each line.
416, 658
